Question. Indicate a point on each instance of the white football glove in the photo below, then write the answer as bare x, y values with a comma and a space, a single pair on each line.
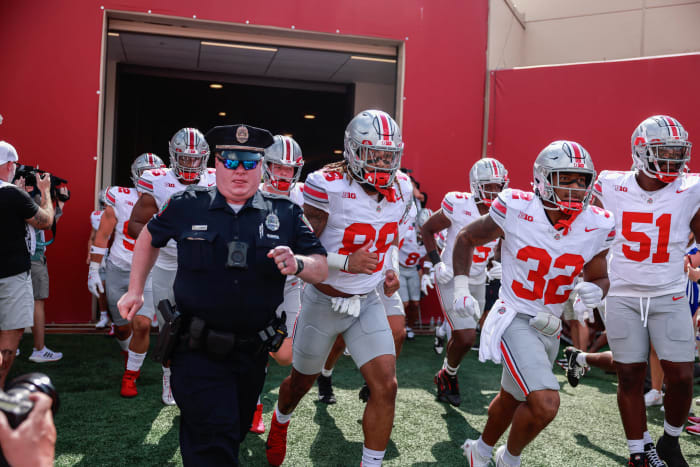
347, 305
464, 304
590, 294
426, 282
495, 271
94, 282
583, 313
443, 274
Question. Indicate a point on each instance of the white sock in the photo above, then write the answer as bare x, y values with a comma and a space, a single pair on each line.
282, 418
581, 359
135, 360
166, 371
103, 314
259, 400
647, 438
636, 445
440, 331
484, 449
39, 350
510, 459
327, 373
450, 371
124, 344
674, 431
371, 457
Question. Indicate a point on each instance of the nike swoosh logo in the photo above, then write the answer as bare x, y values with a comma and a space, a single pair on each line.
681, 191
678, 298
590, 230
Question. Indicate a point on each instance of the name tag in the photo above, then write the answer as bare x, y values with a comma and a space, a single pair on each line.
199, 227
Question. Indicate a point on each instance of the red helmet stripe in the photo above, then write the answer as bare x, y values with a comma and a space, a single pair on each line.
191, 133
672, 126
386, 128
495, 168
287, 150
577, 150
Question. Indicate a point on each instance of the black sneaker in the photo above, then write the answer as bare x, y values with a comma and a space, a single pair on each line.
670, 451
439, 345
447, 388
638, 459
364, 393
574, 371
325, 390
652, 456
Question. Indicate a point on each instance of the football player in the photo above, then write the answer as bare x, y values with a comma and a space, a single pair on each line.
189, 153
656, 207
548, 237
487, 178
282, 166
95, 217
132, 337
354, 207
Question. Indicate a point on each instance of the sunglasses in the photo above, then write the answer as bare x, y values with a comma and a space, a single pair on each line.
233, 164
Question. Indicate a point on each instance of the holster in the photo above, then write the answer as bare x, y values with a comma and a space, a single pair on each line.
273, 335
170, 333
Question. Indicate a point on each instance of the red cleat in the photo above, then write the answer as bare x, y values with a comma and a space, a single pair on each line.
258, 426
276, 445
129, 383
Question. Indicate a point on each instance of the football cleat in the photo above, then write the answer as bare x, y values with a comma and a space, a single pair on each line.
447, 388
498, 458
410, 335
670, 451
652, 456
364, 393
102, 323
129, 383
258, 426
276, 445
638, 459
474, 459
693, 429
167, 396
439, 345
574, 371
325, 390
653, 397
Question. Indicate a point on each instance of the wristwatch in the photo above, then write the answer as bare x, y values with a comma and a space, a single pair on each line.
300, 266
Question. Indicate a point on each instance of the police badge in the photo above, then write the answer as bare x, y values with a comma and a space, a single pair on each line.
272, 222
242, 134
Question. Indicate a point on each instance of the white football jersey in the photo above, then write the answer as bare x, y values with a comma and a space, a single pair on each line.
296, 194
540, 263
461, 209
354, 219
95, 217
162, 184
653, 229
122, 201
411, 251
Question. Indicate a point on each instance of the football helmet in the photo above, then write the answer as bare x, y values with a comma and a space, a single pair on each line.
423, 216
145, 161
189, 153
284, 151
484, 172
373, 148
563, 157
660, 148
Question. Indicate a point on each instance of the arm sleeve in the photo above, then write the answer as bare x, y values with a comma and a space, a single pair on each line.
111, 196
145, 183
498, 210
448, 206
315, 192
164, 225
306, 242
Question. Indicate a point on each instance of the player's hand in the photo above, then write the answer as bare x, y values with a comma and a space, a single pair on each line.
129, 305
21, 183
495, 272
426, 282
590, 294
391, 283
362, 261
283, 256
466, 306
443, 274
582, 312
346, 305
33, 442
94, 282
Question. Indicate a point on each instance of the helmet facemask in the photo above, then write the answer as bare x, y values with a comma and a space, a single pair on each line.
577, 199
281, 183
487, 191
664, 161
188, 167
373, 165
487, 178
189, 153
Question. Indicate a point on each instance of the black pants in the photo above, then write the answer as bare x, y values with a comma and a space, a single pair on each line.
217, 401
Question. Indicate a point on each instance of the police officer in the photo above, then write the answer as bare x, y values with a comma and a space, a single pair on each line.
236, 246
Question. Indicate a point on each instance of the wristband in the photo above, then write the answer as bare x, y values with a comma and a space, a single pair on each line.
393, 256
96, 250
300, 266
427, 264
434, 257
338, 261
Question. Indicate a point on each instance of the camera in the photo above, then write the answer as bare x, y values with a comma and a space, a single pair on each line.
237, 255
29, 173
15, 402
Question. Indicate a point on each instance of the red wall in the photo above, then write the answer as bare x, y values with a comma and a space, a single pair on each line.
598, 105
50, 62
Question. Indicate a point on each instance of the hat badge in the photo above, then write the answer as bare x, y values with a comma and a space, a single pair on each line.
242, 134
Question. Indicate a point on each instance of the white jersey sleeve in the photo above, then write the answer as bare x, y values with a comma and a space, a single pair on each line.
122, 201
95, 217
296, 194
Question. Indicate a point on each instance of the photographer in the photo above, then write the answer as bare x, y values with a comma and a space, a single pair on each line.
16, 296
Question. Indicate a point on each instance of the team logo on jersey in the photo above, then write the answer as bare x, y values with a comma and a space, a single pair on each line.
348, 194
242, 134
272, 222
165, 206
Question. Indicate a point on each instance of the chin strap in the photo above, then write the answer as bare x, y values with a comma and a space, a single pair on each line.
389, 193
565, 223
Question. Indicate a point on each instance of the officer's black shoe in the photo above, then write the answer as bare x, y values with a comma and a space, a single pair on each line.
447, 388
325, 390
652, 456
638, 459
670, 451
364, 393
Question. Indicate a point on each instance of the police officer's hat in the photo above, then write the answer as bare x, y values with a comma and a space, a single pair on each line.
239, 142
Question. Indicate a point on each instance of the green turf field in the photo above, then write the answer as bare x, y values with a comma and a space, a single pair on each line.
97, 427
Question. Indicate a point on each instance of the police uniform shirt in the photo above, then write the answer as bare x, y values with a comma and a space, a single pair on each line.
203, 224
